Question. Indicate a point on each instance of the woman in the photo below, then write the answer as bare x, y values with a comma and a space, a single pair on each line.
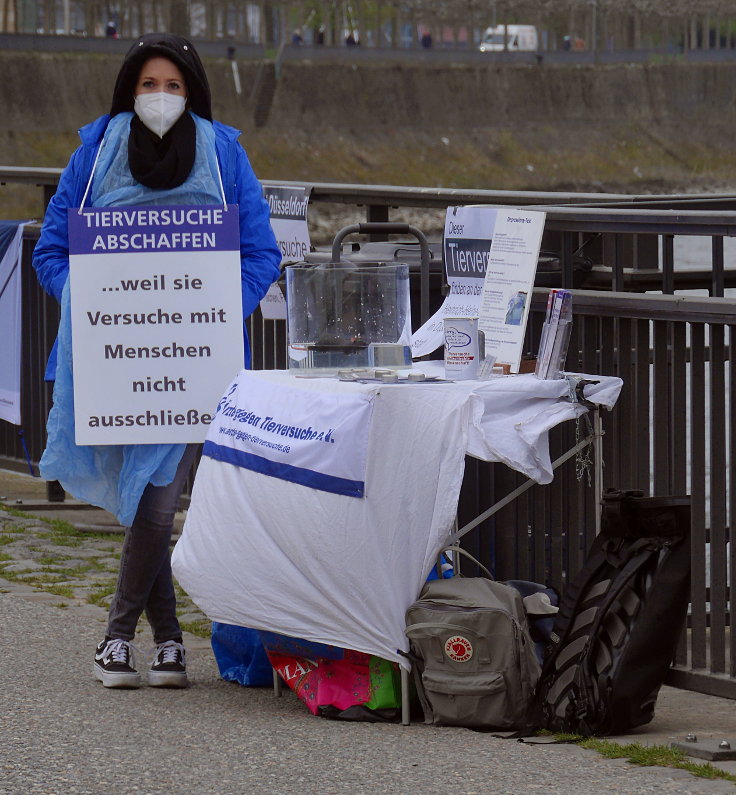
158, 145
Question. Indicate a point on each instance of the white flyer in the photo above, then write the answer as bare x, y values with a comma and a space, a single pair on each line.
508, 284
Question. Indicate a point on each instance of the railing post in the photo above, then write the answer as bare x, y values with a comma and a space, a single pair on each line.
377, 213
598, 464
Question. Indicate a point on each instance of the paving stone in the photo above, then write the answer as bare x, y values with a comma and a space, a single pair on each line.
81, 551
190, 618
71, 563
23, 566
111, 563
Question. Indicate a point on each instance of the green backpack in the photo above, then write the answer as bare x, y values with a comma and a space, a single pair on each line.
472, 656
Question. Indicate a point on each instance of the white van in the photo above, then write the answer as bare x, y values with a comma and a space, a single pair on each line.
521, 38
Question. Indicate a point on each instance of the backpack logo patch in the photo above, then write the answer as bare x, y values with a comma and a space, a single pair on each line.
458, 648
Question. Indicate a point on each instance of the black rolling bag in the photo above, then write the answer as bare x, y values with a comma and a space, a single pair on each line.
619, 620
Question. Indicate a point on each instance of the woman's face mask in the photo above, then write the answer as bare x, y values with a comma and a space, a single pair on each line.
159, 111
160, 94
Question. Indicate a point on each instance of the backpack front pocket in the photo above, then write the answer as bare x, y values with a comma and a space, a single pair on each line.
473, 699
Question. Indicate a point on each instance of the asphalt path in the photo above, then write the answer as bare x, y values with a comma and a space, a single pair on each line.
62, 732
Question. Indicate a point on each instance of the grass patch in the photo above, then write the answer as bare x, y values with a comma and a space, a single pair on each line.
47, 560
47, 578
6, 540
60, 590
202, 629
5, 556
65, 528
98, 595
15, 512
67, 572
12, 529
61, 528
65, 541
11, 575
651, 756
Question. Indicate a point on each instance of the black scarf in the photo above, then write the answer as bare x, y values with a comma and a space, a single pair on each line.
162, 163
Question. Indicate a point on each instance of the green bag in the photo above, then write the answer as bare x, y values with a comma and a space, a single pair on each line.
472, 656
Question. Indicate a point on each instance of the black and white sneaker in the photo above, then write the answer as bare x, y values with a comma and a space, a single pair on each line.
169, 668
114, 664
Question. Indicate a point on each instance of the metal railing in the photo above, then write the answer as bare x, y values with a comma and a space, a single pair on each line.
672, 431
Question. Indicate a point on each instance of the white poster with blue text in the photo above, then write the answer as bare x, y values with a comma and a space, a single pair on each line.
11, 239
466, 246
157, 322
268, 428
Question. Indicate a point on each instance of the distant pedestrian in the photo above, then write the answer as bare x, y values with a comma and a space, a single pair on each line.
158, 146
350, 40
111, 30
426, 40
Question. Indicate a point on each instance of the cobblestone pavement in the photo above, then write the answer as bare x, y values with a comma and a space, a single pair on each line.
50, 556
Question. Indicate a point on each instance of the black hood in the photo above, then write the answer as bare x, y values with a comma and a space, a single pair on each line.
176, 49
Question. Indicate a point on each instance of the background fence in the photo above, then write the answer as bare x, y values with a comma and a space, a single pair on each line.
655, 319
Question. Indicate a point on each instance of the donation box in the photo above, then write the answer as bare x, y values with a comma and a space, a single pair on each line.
343, 315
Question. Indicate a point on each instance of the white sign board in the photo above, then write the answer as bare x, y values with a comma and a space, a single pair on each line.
468, 247
11, 238
157, 325
288, 206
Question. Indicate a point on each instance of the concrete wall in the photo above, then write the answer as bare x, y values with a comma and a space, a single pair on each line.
471, 96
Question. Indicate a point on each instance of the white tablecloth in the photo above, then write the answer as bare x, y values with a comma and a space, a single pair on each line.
268, 553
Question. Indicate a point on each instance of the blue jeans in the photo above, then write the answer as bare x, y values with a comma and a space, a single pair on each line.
144, 578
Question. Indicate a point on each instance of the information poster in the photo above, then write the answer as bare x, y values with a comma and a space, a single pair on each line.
288, 206
508, 283
157, 328
470, 251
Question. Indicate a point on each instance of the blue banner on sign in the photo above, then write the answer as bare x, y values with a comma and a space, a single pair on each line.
126, 230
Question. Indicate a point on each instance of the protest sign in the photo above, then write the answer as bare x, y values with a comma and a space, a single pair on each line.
156, 320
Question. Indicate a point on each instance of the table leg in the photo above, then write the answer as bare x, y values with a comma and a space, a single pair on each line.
405, 719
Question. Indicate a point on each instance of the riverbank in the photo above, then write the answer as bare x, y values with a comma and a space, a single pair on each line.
627, 128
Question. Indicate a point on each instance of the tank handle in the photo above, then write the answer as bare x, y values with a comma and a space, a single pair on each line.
389, 228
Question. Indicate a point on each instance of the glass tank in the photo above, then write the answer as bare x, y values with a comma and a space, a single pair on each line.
342, 315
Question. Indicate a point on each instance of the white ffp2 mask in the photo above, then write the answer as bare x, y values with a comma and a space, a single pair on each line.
159, 111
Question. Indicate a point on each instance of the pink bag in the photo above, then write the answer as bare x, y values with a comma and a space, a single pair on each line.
331, 687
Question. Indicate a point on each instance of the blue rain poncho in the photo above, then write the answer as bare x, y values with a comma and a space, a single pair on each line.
113, 477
